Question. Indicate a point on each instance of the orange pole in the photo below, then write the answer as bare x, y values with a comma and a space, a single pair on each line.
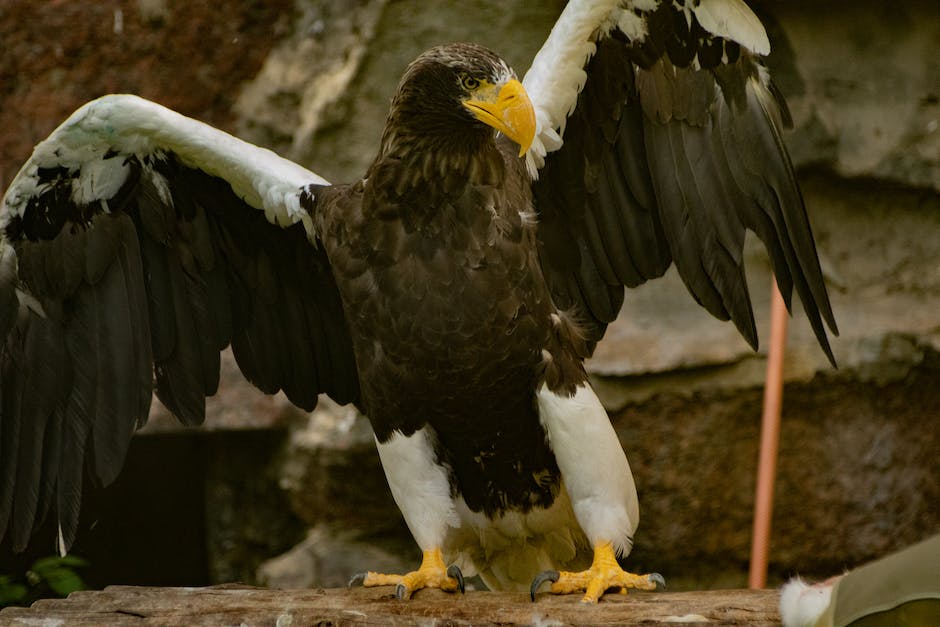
769, 440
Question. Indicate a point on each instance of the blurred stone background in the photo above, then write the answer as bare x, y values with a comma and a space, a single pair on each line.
268, 494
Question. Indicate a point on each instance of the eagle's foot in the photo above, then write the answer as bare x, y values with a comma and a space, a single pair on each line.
431, 574
604, 574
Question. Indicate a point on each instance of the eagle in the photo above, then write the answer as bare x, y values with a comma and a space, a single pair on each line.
452, 292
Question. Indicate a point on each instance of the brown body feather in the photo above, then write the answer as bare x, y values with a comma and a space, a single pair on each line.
452, 321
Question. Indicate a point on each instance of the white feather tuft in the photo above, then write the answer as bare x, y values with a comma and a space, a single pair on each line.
801, 604
632, 25
161, 185
28, 301
60, 541
99, 179
732, 19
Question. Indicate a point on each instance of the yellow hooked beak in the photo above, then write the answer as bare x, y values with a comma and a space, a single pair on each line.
508, 110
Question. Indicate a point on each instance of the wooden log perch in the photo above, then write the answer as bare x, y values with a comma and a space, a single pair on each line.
241, 605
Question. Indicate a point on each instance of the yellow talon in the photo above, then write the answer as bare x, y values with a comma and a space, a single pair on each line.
431, 574
605, 573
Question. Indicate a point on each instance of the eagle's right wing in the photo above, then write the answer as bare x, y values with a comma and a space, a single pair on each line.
659, 142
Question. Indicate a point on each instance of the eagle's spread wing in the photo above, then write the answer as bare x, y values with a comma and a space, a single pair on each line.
136, 244
660, 141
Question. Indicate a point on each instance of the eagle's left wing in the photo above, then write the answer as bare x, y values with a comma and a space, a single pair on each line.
659, 141
135, 244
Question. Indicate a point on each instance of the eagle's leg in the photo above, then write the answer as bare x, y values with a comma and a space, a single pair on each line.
421, 488
431, 574
604, 574
599, 483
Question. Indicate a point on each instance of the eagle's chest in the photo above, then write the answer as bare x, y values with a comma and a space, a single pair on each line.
451, 305
449, 319
445, 294
448, 326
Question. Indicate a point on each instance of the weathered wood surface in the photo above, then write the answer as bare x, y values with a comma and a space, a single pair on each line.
238, 605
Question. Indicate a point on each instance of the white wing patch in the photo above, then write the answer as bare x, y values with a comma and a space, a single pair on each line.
632, 25
732, 19
557, 74
99, 179
128, 124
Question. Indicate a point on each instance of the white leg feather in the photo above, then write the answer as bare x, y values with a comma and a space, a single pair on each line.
419, 486
593, 465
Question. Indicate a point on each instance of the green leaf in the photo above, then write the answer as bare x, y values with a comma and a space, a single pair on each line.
73, 561
11, 592
64, 581
55, 561
58, 573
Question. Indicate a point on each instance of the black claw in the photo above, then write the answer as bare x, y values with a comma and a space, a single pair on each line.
453, 571
402, 593
356, 580
542, 577
658, 580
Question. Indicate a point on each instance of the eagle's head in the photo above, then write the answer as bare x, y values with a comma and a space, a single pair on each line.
457, 93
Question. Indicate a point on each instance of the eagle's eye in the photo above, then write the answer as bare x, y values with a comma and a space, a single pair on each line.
468, 82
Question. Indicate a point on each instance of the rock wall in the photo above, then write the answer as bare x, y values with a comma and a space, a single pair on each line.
859, 472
